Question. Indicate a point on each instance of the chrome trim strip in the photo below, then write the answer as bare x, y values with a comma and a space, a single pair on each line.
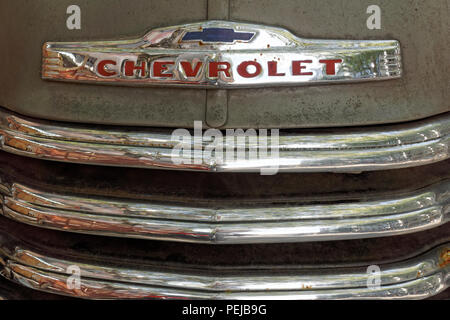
415, 278
338, 150
259, 223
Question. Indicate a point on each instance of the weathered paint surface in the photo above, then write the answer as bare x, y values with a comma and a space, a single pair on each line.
421, 27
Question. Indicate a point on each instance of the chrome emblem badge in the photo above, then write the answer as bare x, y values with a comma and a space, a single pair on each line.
221, 54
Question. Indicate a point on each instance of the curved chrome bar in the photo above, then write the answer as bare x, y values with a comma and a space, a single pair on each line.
260, 223
337, 150
419, 277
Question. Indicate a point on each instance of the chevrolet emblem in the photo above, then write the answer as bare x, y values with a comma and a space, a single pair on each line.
221, 54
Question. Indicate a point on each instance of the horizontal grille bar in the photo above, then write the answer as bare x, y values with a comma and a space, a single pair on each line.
419, 277
408, 212
338, 150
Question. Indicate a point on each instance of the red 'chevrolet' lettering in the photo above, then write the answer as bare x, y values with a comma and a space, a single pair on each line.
272, 65
330, 65
297, 68
243, 72
187, 67
214, 69
130, 67
101, 68
159, 67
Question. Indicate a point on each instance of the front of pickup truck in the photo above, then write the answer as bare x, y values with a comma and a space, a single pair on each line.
210, 149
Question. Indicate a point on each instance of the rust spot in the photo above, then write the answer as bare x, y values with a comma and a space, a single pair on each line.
306, 286
268, 46
15, 143
444, 258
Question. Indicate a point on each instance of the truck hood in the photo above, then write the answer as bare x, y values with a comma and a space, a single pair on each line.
421, 91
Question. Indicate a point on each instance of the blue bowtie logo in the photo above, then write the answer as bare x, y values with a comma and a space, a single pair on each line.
218, 35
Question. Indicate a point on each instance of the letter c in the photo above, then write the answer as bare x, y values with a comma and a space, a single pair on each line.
101, 68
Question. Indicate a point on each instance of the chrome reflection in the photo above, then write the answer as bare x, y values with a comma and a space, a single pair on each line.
259, 223
338, 150
420, 277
